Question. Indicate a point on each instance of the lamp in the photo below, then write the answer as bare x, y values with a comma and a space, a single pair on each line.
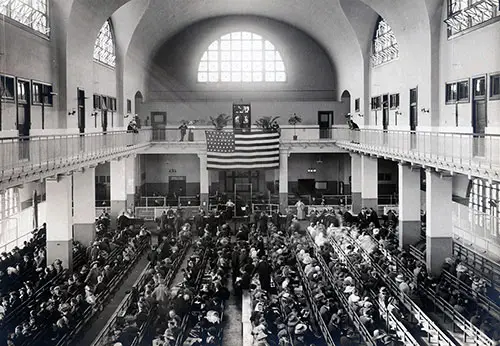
425, 110
94, 114
311, 170
73, 112
398, 113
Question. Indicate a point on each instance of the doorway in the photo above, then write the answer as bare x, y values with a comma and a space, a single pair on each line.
479, 115
325, 122
413, 117
176, 187
23, 117
159, 122
138, 104
385, 112
81, 110
306, 186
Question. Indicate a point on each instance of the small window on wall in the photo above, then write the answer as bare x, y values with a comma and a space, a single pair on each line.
97, 101
479, 87
457, 92
104, 103
42, 94
356, 105
129, 106
394, 101
7, 88
376, 103
112, 104
495, 87
22, 92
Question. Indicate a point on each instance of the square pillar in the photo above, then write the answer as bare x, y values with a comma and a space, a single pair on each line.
439, 225
84, 204
409, 205
130, 168
118, 189
356, 183
59, 220
369, 182
283, 181
204, 182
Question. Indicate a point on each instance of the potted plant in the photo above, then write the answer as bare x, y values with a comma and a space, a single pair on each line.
268, 124
294, 120
220, 122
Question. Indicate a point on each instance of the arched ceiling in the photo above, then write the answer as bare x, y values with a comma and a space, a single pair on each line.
328, 22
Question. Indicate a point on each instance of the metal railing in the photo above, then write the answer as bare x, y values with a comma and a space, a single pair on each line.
36, 153
442, 149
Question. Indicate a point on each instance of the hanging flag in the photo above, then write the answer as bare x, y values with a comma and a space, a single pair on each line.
35, 209
247, 150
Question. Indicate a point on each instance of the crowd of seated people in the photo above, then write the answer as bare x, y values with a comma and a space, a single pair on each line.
372, 238
56, 313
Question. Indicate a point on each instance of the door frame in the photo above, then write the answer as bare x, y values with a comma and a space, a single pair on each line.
416, 109
385, 111
28, 102
475, 98
78, 90
331, 116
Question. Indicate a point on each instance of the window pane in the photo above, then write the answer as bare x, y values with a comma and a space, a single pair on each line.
239, 57
384, 44
104, 48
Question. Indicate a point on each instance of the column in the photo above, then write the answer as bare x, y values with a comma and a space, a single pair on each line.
204, 182
84, 206
356, 183
59, 220
283, 180
409, 205
369, 182
439, 225
130, 169
118, 189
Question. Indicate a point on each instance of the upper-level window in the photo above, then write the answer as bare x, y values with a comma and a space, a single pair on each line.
241, 57
385, 45
464, 14
32, 13
104, 48
483, 205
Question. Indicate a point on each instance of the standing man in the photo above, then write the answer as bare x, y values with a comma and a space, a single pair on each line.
183, 129
300, 209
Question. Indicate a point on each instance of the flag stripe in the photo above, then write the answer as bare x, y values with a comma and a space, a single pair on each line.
252, 150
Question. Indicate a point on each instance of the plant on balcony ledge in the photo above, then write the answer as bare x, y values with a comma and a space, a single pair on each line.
294, 120
268, 124
220, 122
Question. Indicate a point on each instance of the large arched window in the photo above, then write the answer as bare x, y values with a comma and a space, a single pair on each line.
241, 57
104, 48
32, 13
385, 45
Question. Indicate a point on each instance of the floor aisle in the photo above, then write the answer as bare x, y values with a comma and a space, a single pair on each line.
110, 308
233, 330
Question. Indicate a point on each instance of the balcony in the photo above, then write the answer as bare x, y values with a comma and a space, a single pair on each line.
300, 139
24, 159
471, 154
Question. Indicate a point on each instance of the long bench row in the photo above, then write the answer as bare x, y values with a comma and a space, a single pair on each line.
391, 320
470, 332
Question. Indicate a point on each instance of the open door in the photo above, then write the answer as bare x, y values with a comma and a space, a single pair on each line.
159, 122
413, 117
479, 115
23, 117
325, 122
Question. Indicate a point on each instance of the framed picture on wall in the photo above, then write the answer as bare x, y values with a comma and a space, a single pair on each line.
242, 117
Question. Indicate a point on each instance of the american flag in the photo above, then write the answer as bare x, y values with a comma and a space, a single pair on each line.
247, 150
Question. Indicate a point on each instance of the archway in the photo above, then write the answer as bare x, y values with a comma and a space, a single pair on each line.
141, 118
346, 106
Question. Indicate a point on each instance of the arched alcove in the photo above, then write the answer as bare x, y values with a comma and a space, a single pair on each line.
141, 118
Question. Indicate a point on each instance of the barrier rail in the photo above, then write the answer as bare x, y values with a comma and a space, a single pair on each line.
35, 153
468, 329
433, 331
478, 264
441, 149
391, 320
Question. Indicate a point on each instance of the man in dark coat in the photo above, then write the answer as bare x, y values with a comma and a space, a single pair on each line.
264, 270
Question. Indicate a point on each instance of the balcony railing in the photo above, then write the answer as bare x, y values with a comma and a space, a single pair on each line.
37, 153
288, 134
466, 153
